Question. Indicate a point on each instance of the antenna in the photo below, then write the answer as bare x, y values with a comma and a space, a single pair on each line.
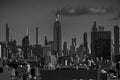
27, 31
57, 15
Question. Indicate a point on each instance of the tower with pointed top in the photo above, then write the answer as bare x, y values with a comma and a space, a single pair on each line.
26, 45
94, 28
57, 36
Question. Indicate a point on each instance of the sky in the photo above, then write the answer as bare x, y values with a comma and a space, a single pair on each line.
76, 17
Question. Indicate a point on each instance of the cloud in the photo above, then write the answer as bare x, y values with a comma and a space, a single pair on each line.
78, 11
116, 16
72, 11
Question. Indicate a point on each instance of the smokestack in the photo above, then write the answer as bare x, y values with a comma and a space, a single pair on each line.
36, 35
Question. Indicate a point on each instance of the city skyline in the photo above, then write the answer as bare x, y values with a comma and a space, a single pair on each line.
22, 14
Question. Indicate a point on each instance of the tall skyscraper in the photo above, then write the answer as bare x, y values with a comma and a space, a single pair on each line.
94, 28
65, 49
25, 46
7, 33
0, 51
85, 42
46, 41
116, 39
36, 35
101, 44
57, 35
73, 46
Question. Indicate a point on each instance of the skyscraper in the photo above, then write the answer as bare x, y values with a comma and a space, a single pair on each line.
94, 28
36, 35
85, 42
7, 33
65, 49
101, 44
25, 46
45, 42
116, 39
57, 35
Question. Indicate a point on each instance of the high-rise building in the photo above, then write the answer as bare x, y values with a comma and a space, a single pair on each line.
73, 46
7, 33
65, 50
101, 44
57, 36
85, 42
36, 35
94, 28
46, 41
0, 51
37, 50
116, 39
25, 46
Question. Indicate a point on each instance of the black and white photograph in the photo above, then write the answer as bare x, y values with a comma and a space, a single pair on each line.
59, 40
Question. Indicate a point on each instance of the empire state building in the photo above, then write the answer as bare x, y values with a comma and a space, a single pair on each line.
57, 36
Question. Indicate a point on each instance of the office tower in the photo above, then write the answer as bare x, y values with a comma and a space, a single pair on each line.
94, 28
101, 44
116, 39
7, 33
45, 42
73, 46
85, 42
57, 36
65, 49
46, 50
13, 45
37, 50
25, 46
0, 51
36, 35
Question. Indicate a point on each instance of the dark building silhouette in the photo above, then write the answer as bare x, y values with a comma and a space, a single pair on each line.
7, 33
2, 49
73, 46
13, 45
46, 41
36, 35
25, 46
57, 36
85, 42
116, 39
65, 52
94, 28
101, 44
37, 51
7, 42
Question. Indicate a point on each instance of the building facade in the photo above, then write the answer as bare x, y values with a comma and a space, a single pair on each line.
57, 36
101, 44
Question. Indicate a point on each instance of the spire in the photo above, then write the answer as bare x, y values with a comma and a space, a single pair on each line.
57, 15
27, 31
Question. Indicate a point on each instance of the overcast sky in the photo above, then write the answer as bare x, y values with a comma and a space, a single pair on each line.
76, 17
